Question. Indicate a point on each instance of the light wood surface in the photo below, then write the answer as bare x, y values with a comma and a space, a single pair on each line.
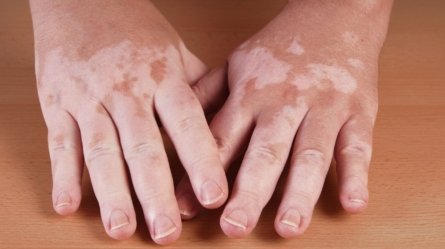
407, 181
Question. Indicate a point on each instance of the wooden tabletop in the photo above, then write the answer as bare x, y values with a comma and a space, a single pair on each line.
407, 181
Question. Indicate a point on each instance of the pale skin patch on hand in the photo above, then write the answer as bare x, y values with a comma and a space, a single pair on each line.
123, 68
295, 48
340, 78
350, 38
259, 64
356, 63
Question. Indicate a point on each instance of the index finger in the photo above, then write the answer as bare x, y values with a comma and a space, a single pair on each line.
185, 123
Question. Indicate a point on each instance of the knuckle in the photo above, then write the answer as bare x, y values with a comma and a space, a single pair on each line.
58, 143
266, 154
149, 197
188, 123
356, 149
201, 162
145, 150
100, 150
311, 156
60, 146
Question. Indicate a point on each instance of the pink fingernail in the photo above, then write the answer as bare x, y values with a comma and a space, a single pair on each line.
237, 218
118, 219
358, 201
64, 199
163, 227
291, 218
211, 193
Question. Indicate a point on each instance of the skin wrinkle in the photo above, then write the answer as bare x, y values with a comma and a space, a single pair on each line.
96, 139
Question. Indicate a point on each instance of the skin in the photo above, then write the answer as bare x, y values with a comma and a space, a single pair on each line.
302, 89
104, 70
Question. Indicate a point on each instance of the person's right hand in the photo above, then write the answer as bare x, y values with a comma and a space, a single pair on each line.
104, 69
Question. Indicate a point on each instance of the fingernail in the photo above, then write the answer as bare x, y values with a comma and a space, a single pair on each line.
357, 201
186, 205
291, 218
237, 218
118, 219
64, 199
163, 227
211, 192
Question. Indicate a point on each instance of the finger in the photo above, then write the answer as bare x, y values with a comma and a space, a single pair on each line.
185, 123
260, 170
230, 130
105, 164
194, 68
65, 149
353, 155
147, 161
188, 204
212, 89
310, 161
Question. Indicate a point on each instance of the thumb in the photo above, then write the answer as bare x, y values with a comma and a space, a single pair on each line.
212, 89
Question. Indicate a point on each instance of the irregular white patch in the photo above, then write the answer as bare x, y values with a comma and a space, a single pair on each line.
340, 78
368, 5
350, 38
356, 63
259, 64
295, 48
107, 66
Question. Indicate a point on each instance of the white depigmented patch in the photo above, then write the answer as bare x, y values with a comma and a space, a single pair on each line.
340, 78
107, 66
295, 48
368, 5
259, 64
356, 63
350, 38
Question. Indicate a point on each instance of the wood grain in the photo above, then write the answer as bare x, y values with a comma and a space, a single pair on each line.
407, 208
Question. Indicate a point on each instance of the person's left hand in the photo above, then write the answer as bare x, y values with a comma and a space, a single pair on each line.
312, 86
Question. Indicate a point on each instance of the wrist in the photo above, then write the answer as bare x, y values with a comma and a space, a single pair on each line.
85, 24
369, 18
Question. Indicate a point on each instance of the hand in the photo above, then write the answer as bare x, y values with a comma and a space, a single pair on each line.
304, 88
103, 70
